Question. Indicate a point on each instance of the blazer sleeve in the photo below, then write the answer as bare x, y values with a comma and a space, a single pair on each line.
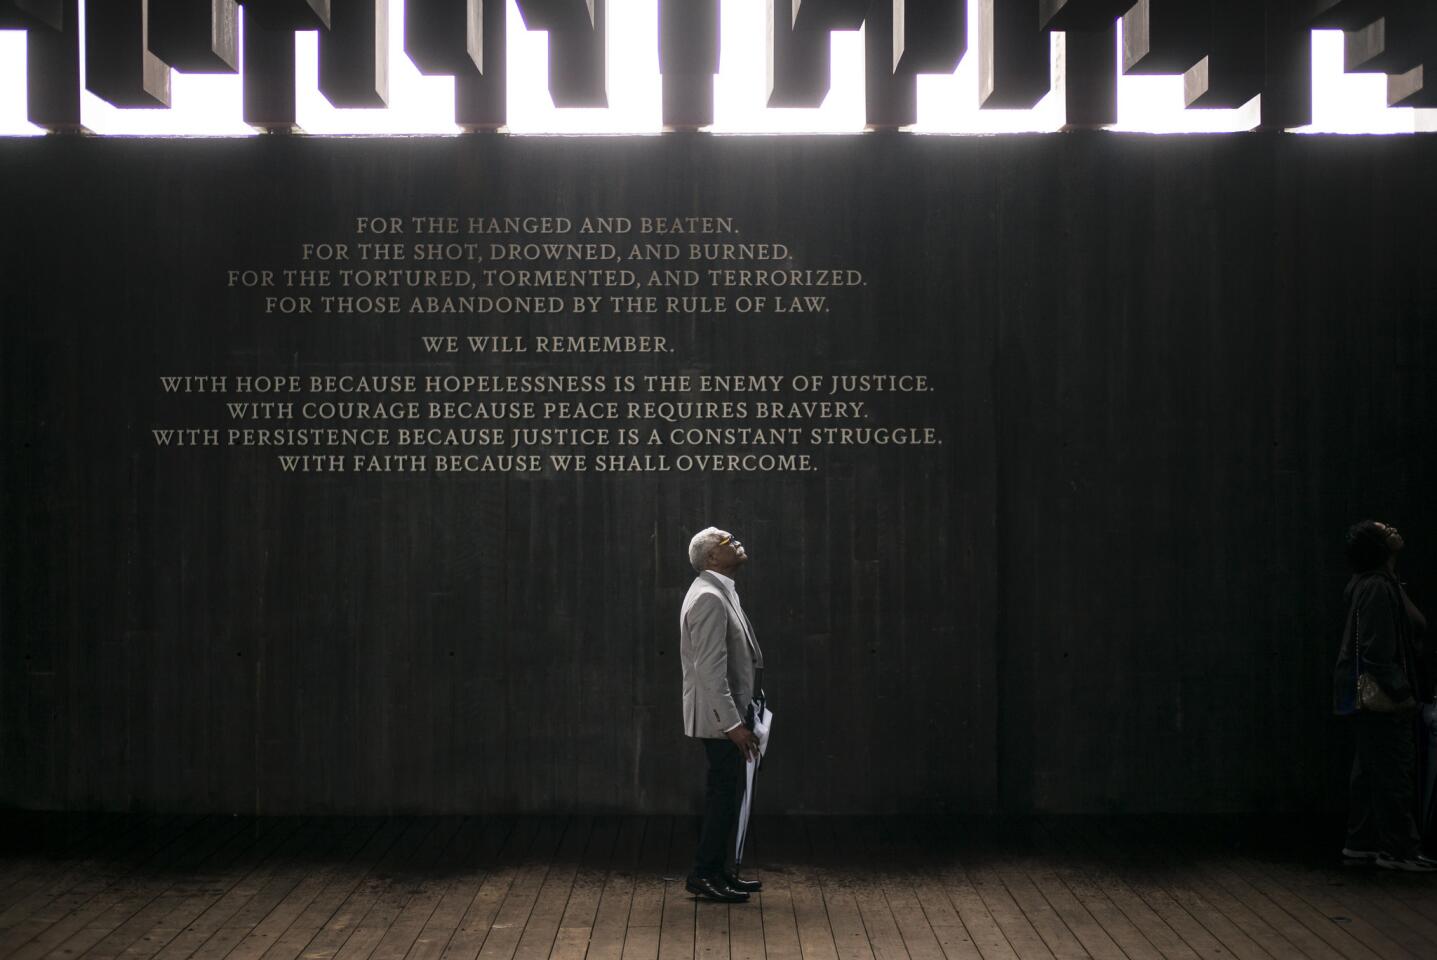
1377, 640
708, 628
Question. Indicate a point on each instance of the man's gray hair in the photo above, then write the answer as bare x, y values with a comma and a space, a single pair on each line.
702, 545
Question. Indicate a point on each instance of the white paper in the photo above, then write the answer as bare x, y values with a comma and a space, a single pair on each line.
761, 727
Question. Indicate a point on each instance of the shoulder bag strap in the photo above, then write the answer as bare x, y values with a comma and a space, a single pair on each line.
1357, 639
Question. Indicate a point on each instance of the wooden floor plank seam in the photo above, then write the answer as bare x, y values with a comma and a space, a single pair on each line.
1405, 927
576, 924
497, 942
988, 937
257, 853
646, 900
1304, 942
187, 929
1156, 928
1312, 916
266, 916
53, 839
802, 859
611, 913
1301, 913
92, 884
77, 871
538, 941
330, 940
473, 866
850, 934
44, 874
1075, 922
1208, 926
1128, 938
1027, 943
1275, 922
417, 911
398, 919
319, 909
678, 918
114, 904
1252, 924
476, 918
1085, 927
1358, 927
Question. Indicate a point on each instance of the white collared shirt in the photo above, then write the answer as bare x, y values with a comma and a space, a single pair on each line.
728, 584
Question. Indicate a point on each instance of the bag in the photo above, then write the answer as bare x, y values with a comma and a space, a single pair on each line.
1371, 698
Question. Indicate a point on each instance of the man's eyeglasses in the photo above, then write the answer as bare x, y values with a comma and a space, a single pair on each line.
726, 540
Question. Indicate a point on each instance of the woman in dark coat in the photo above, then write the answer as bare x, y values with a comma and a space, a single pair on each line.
1380, 643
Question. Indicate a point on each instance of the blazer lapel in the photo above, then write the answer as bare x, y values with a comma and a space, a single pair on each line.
752, 637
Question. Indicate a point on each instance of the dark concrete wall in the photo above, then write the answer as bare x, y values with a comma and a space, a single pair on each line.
1168, 372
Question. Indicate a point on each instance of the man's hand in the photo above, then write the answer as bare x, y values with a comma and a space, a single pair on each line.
746, 742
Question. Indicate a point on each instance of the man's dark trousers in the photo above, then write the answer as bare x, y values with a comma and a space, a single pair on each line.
721, 804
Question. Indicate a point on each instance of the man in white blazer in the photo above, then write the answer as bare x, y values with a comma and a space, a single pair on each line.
722, 675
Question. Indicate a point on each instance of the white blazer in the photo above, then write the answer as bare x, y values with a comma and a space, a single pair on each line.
718, 653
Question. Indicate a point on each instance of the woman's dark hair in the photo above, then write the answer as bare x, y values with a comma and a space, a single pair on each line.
1366, 545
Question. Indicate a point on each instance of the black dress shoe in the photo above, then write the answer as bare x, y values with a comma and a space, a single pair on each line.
713, 888
744, 886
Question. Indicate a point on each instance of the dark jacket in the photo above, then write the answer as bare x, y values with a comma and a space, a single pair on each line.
1426, 650
1377, 639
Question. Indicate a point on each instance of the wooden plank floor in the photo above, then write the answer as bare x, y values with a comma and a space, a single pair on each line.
106, 887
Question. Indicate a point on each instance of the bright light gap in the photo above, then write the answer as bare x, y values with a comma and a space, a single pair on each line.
947, 104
